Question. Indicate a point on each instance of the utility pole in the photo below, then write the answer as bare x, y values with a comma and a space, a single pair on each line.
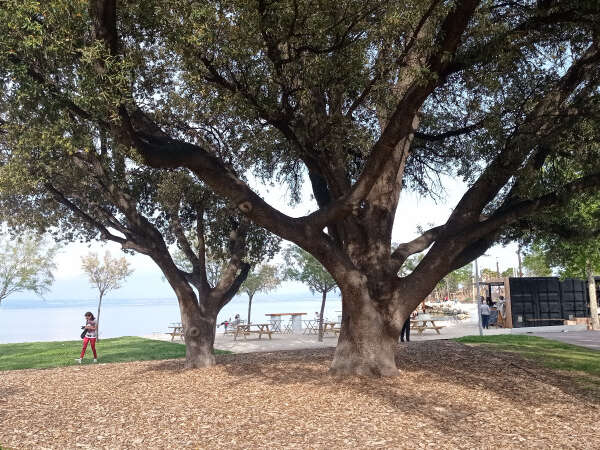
520, 265
477, 299
497, 268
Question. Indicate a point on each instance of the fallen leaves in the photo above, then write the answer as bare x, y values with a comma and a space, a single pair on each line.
447, 395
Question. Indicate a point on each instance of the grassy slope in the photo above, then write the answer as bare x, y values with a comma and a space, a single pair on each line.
583, 362
42, 355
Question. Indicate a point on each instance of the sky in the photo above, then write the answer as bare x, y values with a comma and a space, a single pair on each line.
148, 282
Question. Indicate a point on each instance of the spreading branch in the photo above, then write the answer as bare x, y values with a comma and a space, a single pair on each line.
417, 245
452, 133
386, 155
537, 127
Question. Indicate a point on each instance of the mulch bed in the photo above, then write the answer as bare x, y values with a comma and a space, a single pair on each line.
448, 395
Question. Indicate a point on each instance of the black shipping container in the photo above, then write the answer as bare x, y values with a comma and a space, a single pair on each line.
547, 301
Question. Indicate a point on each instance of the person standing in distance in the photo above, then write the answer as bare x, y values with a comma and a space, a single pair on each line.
485, 314
90, 336
406, 327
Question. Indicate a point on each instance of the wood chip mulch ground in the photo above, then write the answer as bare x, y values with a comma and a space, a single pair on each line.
448, 395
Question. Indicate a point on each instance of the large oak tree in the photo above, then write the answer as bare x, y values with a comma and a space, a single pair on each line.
365, 98
83, 188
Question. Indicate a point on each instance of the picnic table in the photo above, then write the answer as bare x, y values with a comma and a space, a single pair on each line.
176, 330
311, 327
246, 329
295, 322
421, 325
330, 327
230, 328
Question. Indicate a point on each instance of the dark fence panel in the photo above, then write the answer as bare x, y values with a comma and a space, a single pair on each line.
545, 301
575, 298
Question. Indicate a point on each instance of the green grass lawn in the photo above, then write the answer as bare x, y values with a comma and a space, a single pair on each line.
583, 362
42, 355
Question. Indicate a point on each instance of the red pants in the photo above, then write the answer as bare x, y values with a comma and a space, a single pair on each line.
92, 342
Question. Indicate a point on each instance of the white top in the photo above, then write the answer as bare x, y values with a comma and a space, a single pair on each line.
485, 310
91, 333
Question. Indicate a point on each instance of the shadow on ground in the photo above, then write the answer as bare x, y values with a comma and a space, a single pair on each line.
430, 374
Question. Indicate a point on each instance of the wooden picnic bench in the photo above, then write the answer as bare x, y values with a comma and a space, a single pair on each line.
176, 330
230, 329
330, 327
245, 330
421, 325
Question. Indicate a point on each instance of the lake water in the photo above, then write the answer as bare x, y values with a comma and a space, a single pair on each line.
57, 320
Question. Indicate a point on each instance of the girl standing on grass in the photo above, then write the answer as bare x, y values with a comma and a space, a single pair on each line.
90, 336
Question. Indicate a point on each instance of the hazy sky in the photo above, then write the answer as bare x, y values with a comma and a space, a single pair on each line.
147, 280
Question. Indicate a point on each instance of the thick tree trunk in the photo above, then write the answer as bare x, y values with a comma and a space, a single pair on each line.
199, 326
199, 342
198, 313
368, 338
321, 317
366, 348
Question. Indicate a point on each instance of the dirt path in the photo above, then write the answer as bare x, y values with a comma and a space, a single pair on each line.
447, 396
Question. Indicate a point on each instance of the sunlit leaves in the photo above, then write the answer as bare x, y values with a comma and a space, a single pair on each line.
26, 265
302, 266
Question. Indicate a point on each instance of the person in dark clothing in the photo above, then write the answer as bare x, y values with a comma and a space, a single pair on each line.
405, 331
406, 327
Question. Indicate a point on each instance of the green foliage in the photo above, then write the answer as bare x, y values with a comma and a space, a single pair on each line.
535, 262
409, 265
262, 246
302, 266
567, 241
264, 278
460, 278
223, 73
488, 274
26, 264
42, 355
183, 196
79, 183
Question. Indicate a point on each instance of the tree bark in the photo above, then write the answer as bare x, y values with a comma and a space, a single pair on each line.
249, 307
593, 298
199, 335
321, 316
368, 336
199, 326
365, 348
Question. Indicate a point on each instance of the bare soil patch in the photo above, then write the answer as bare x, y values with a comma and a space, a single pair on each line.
448, 395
